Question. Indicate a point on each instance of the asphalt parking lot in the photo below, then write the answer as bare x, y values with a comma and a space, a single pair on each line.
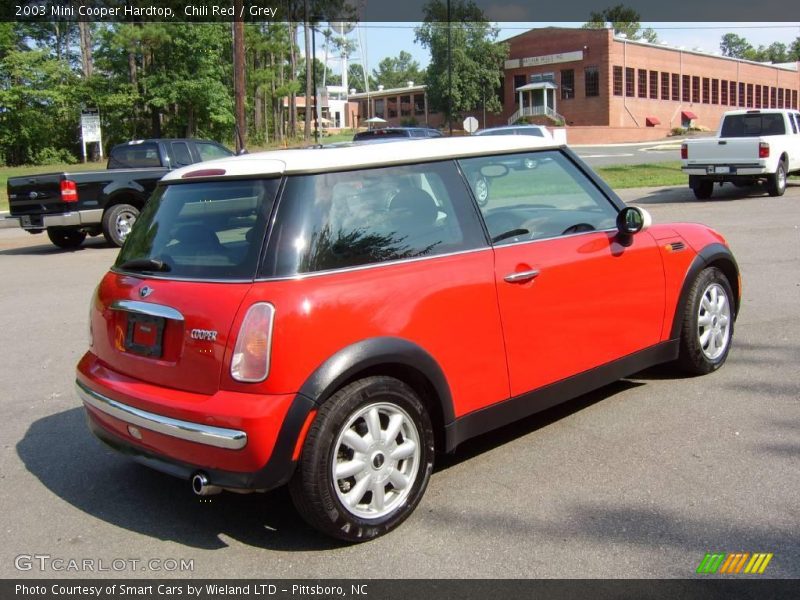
639, 479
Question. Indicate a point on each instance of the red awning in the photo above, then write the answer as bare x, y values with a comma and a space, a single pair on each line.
688, 115
652, 121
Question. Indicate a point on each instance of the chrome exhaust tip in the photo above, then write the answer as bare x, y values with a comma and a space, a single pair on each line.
202, 487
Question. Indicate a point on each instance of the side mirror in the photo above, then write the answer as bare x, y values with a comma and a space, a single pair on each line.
633, 219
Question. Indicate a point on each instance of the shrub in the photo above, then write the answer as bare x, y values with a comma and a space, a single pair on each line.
53, 156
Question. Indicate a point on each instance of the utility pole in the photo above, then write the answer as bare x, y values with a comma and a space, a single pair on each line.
449, 72
238, 79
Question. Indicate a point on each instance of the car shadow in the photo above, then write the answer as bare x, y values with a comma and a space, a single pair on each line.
73, 465
499, 437
60, 452
47, 249
726, 193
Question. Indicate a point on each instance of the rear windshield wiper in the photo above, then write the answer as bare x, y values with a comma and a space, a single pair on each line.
145, 264
510, 233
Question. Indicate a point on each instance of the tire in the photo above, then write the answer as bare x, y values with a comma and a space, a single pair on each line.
776, 184
481, 189
707, 327
65, 237
117, 222
703, 189
342, 506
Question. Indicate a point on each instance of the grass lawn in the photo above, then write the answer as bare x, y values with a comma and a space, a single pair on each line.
647, 175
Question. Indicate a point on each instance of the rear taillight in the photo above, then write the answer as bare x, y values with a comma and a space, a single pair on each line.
684, 151
250, 362
763, 150
69, 191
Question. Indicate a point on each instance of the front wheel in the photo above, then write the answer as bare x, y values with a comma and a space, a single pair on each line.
366, 460
481, 189
66, 238
707, 329
776, 184
118, 221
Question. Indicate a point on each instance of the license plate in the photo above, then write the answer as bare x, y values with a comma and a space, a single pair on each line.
722, 170
144, 335
25, 221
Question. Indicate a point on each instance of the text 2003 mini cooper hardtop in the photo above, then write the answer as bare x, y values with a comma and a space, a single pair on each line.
331, 317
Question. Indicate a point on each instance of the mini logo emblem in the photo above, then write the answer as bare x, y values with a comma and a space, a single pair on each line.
145, 291
203, 334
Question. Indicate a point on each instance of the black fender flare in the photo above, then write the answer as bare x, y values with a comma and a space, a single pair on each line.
716, 253
374, 353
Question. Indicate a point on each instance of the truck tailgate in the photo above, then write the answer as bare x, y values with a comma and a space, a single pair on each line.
722, 151
36, 194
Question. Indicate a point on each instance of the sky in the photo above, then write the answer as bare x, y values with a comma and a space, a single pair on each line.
379, 40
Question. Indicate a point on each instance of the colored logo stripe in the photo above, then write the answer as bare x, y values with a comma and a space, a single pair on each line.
733, 563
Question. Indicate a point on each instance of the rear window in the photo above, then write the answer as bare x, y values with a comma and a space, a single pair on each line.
387, 133
204, 230
753, 125
134, 156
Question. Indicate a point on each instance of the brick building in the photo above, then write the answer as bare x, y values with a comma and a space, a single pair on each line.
396, 106
610, 89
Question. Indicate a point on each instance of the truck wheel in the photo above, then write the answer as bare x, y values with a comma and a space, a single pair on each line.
776, 184
117, 222
703, 189
707, 328
366, 460
65, 237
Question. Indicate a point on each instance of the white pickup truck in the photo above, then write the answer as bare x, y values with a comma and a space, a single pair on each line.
751, 146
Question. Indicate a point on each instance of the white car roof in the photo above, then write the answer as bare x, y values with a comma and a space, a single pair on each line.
311, 160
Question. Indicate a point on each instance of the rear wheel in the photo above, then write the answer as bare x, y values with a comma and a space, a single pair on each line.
703, 189
118, 221
776, 184
65, 237
707, 328
366, 460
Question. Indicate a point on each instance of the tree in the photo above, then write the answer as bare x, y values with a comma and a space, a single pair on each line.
734, 46
396, 72
624, 20
355, 78
476, 60
794, 50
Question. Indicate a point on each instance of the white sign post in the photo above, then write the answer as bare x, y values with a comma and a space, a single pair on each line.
470, 124
90, 130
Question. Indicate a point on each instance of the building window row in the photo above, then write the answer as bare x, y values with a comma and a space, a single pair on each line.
642, 83
591, 82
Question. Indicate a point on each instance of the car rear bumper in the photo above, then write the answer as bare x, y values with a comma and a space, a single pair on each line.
76, 218
726, 171
240, 441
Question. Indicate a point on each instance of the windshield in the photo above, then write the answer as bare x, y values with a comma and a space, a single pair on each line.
204, 230
753, 125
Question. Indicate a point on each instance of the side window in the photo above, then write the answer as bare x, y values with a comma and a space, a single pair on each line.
536, 195
793, 122
180, 150
211, 151
338, 220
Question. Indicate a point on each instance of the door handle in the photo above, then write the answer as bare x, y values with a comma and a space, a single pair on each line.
521, 276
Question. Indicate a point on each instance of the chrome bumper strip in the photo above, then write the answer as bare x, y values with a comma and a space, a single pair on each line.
219, 437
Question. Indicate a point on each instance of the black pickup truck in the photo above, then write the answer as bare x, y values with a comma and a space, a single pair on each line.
70, 206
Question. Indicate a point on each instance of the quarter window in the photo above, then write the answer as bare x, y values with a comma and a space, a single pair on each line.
537, 195
337, 220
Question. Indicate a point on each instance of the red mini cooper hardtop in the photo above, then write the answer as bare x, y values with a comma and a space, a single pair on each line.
331, 317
